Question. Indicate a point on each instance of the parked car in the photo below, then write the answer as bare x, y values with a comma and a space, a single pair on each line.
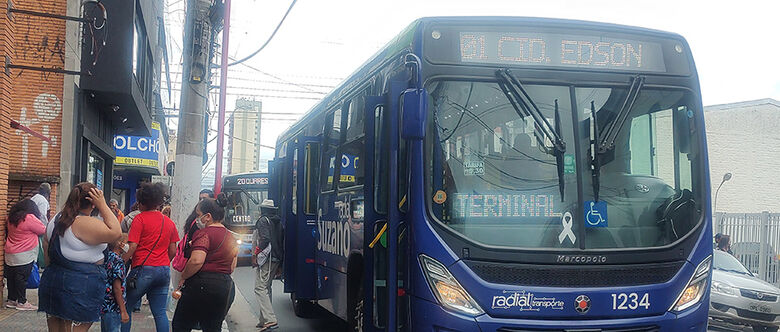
738, 297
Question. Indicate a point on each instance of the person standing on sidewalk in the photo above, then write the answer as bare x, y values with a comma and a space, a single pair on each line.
41, 199
207, 289
72, 285
267, 246
113, 312
127, 221
152, 239
114, 205
21, 251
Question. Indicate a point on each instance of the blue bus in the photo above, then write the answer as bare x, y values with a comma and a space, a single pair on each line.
245, 192
504, 174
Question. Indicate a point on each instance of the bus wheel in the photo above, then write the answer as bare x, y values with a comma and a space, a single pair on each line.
356, 311
302, 308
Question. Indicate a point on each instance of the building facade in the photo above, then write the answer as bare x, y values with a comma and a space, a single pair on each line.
244, 133
743, 140
82, 84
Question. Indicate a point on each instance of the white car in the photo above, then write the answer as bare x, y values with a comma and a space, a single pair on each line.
738, 297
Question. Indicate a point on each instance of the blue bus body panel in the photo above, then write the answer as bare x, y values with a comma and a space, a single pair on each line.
335, 238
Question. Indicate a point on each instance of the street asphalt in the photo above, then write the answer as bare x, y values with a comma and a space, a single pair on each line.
244, 277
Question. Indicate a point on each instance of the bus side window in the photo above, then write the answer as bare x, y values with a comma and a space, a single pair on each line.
332, 136
352, 171
310, 175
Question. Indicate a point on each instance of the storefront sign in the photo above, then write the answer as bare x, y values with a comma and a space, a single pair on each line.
138, 150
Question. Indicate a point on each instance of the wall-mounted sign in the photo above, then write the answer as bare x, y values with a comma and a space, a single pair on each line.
138, 150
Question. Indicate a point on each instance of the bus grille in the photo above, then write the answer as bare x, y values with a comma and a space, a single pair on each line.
622, 329
575, 275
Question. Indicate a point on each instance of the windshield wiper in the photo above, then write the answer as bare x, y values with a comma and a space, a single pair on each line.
603, 143
595, 161
252, 198
559, 153
607, 142
525, 106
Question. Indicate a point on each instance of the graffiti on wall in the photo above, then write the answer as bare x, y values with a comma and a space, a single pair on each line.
46, 107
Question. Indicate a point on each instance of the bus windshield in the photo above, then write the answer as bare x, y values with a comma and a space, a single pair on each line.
244, 206
496, 179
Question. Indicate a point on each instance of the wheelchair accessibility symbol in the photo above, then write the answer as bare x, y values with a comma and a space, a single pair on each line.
595, 214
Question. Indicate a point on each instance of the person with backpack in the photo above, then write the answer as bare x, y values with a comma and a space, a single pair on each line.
267, 242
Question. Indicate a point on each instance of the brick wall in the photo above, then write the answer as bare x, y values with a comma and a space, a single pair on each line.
33, 99
19, 190
6, 92
37, 98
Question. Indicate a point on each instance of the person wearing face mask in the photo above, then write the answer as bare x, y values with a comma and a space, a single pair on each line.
152, 239
113, 312
72, 285
207, 289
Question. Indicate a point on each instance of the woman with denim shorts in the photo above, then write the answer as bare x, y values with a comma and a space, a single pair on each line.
152, 238
72, 285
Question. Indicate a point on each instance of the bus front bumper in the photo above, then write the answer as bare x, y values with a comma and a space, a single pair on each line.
428, 316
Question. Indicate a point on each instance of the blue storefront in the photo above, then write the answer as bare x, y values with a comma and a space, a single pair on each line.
138, 158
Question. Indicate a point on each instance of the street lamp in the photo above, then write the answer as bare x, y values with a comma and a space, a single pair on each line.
726, 177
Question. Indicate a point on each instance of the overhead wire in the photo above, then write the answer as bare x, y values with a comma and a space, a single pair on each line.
292, 4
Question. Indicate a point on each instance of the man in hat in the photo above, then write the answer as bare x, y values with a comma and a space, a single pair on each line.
267, 242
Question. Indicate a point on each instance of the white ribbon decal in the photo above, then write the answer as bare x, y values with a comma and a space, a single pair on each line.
567, 233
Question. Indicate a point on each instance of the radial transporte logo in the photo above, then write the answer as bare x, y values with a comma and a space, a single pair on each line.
582, 304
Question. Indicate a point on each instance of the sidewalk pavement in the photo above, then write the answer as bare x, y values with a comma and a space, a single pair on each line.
13, 320
240, 317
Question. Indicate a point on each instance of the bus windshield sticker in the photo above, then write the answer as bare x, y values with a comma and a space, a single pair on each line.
525, 301
440, 197
567, 222
505, 205
569, 166
472, 168
595, 214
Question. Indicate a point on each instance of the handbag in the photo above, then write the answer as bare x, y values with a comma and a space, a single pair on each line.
131, 280
35, 278
179, 261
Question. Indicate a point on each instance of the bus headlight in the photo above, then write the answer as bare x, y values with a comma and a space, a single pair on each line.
447, 290
694, 290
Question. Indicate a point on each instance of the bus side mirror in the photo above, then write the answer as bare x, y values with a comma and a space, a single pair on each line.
414, 104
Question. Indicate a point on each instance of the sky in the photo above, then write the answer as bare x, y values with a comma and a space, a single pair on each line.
734, 44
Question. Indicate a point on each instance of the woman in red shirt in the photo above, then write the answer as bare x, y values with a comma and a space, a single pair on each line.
152, 240
208, 289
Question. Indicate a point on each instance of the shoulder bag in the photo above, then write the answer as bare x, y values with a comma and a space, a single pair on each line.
133, 279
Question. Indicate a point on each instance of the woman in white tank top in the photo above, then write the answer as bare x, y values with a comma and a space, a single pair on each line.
73, 284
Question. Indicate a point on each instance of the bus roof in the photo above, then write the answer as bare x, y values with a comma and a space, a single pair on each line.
405, 40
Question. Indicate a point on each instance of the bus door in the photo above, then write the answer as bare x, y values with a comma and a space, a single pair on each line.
333, 239
387, 206
304, 156
280, 170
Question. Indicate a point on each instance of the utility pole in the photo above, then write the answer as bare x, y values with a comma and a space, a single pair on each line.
194, 92
222, 99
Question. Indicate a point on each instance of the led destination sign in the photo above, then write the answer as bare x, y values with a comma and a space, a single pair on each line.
577, 51
498, 205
